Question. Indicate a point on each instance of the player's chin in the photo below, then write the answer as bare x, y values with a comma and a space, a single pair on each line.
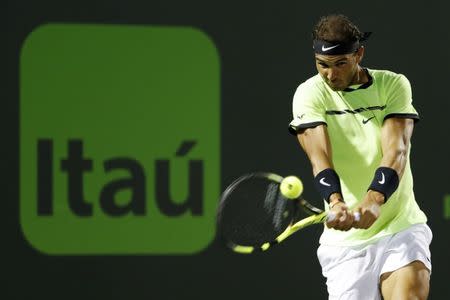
337, 87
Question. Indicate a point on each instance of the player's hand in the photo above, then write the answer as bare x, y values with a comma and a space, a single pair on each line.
340, 217
369, 209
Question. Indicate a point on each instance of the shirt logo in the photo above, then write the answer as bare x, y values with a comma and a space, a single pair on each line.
328, 48
382, 178
365, 121
322, 181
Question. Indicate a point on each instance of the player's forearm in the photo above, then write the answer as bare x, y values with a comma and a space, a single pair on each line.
316, 143
388, 175
319, 155
395, 141
320, 161
395, 158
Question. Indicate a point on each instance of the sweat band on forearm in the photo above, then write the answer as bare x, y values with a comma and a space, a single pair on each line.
327, 183
385, 181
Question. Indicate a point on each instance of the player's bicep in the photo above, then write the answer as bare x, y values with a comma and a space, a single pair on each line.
316, 143
395, 141
396, 133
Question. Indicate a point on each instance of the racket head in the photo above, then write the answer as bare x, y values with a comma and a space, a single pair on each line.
252, 213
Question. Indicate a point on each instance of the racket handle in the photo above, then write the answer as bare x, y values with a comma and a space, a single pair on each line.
332, 216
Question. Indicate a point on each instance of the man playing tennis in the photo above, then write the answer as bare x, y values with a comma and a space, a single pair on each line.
355, 125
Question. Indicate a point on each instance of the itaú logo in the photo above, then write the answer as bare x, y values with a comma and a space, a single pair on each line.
76, 168
120, 144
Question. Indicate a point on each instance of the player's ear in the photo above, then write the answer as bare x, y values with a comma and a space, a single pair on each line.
359, 54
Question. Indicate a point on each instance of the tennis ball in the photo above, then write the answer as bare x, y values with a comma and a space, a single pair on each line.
291, 187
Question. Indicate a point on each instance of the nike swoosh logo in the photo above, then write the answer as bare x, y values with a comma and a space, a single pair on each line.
365, 121
322, 181
328, 48
382, 178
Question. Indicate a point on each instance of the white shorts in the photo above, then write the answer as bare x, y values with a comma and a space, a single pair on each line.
353, 273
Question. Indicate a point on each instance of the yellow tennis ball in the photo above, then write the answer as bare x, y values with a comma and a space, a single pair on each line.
291, 187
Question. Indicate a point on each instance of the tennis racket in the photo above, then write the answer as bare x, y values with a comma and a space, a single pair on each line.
253, 215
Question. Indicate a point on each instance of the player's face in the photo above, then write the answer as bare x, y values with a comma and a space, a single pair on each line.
338, 71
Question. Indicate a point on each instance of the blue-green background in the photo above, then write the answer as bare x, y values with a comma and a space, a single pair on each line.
265, 51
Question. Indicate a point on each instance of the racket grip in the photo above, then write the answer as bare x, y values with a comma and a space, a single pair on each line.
332, 216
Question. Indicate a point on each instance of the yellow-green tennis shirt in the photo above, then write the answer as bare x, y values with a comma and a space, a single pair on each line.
354, 119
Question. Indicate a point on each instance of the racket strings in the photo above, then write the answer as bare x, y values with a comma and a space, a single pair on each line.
254, 212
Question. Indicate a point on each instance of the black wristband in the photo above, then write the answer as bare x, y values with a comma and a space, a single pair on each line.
327, 183
385, 181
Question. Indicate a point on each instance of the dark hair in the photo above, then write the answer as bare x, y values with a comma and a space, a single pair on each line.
336, 28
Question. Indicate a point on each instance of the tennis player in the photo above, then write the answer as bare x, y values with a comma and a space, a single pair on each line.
355, 125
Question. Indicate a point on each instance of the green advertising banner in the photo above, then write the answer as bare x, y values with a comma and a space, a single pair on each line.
119, 139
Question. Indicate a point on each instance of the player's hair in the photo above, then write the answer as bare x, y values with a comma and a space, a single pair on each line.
336, 28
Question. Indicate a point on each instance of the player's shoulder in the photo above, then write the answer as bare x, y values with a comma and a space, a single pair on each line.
314, 83
387, 77
312, 88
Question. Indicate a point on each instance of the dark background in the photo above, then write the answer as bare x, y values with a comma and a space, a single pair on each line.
265, 52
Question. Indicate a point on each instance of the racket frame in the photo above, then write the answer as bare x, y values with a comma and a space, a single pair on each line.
316, 215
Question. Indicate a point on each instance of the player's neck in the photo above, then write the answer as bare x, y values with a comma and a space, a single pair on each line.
360, 76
